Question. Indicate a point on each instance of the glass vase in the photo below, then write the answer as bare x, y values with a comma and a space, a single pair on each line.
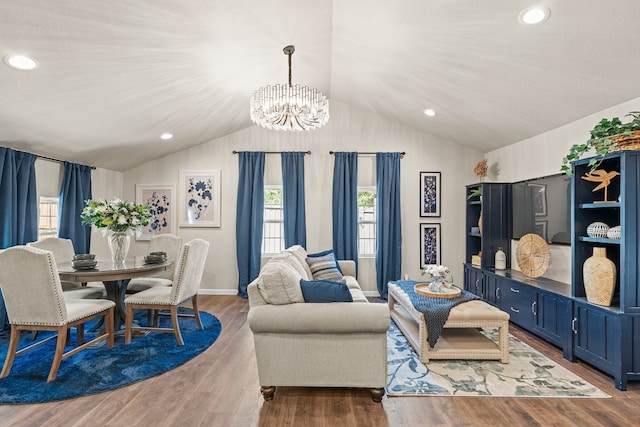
119, 243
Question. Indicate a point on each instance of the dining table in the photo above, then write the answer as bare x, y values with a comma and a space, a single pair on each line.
115, 277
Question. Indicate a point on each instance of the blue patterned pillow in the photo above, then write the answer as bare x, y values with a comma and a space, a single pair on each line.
324, 266
325, 291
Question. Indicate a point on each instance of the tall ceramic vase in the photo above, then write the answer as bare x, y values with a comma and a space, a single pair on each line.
599, 275
119, 243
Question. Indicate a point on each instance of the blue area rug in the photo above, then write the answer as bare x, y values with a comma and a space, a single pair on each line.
528, 373
99, 368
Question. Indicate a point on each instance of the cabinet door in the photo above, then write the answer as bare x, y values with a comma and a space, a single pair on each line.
596, 337
517, 301
473, 280
550, 317
492, 288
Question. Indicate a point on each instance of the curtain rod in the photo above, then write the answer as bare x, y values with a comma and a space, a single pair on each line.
273, 152
57, 160
370, 153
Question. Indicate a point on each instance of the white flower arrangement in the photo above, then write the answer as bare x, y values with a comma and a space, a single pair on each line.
437, 272
115, 215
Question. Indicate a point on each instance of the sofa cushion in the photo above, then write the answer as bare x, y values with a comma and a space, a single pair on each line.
301, 255
280, 284
324, 291
292, 260
323, 266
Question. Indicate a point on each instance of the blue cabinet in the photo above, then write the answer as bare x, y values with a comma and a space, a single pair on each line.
551, 315
516, 300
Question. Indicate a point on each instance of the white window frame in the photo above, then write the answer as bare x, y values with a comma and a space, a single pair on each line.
371, 223
52, 231
272, 225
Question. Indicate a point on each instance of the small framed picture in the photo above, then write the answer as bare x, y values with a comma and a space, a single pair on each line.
429, 244
429, 194
161, 202
541, 229
200, 198
539, 195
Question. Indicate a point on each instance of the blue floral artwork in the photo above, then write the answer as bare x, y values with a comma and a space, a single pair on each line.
201, 196
430, 244
430, 194
161, 202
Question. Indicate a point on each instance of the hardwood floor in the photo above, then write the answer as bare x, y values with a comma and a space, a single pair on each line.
220, 388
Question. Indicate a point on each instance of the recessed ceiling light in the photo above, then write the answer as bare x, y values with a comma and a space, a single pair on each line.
21, 62
429, 112
166, 135
534, 15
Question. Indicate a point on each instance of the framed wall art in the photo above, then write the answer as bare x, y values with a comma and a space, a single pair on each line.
429, 194
200, 198
161, 201
539, 194
429, 244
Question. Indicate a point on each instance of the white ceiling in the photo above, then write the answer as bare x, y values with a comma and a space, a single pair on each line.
116, 74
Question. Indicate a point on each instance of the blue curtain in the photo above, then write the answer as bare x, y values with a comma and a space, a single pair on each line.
18, 204
295, 223
345, 206
249, 217
18, 198
74, 191
388, 221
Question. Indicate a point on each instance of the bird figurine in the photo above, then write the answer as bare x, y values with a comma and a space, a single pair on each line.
603, 177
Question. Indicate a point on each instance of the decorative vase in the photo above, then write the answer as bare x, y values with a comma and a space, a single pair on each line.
599, 276
480, 223
500, 259
436, 284
119, 243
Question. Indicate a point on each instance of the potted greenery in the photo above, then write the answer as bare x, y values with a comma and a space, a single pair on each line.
476, 192
607, 136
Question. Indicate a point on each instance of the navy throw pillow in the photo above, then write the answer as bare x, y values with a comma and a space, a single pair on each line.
324, 291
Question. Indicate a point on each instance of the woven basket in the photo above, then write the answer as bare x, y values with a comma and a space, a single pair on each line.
626, 142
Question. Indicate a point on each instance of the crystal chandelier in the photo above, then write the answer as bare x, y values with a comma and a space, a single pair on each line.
289, 107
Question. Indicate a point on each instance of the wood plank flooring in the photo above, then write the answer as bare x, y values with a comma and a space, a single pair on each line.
220, 388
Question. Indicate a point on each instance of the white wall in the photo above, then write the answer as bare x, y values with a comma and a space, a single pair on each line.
349, 129
542, 155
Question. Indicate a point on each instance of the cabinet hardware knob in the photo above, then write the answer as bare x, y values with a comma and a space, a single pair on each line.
515, 310
517, 291
573, 326
533, 308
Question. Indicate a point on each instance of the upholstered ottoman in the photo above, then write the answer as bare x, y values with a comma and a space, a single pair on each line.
460, 338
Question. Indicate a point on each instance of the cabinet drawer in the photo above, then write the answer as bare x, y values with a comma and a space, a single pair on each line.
516, 300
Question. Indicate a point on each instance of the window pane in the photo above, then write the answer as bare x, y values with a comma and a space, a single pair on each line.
367, 221
273, 228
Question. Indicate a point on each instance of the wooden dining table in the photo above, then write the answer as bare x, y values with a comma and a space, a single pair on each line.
115, 277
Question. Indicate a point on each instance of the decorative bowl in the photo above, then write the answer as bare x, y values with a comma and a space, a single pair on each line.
79, 257
597, 229
84, 264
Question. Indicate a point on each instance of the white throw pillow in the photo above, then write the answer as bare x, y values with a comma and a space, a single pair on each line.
280, 284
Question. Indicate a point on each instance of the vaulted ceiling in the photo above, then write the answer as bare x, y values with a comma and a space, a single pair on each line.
114, 75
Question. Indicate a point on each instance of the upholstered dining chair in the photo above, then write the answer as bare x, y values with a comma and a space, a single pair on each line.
34, 301
184, 288
169, 243
63, 252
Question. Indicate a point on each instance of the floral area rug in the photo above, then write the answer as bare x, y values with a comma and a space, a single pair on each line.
528, 374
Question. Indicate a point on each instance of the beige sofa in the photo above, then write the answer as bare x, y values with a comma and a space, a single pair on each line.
337, 344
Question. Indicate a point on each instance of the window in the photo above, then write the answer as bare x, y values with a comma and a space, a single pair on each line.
366, 221
273, 229
48, 219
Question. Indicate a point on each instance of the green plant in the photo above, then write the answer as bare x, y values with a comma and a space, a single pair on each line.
599, 142
476, 192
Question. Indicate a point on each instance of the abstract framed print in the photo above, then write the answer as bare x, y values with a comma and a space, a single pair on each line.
200, 198
429, 194
161, 202
429, 244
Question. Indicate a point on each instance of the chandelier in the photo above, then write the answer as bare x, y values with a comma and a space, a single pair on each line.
289, 107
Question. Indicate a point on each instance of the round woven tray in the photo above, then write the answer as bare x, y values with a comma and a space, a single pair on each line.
532, 255
446, 291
